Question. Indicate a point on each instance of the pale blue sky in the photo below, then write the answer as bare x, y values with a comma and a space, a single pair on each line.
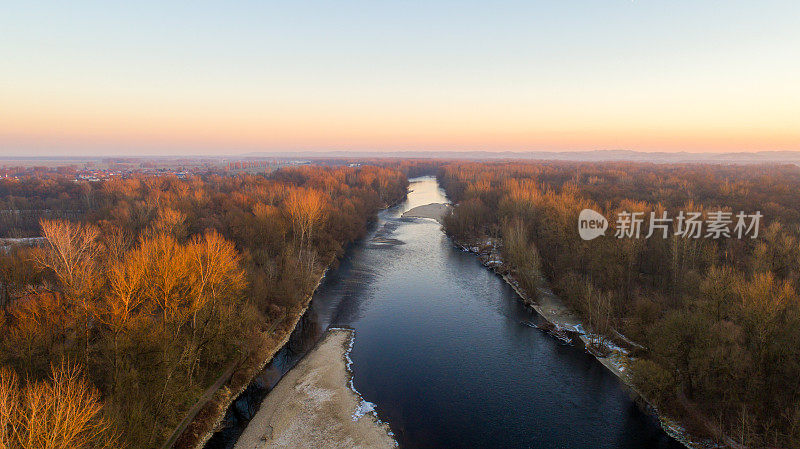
216, 77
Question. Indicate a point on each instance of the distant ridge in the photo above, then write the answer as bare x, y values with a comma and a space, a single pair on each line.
792, 157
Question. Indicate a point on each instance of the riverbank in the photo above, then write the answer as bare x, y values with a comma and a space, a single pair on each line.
314, 405
212, 414
564, 324
210, 418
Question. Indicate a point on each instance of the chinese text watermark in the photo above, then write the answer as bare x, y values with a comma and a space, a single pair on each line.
694, 225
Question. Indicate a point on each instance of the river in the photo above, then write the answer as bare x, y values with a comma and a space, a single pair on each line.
446, 351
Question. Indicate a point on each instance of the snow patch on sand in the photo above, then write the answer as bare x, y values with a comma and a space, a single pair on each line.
364, 407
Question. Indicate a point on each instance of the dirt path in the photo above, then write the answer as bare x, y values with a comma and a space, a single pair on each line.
313, 405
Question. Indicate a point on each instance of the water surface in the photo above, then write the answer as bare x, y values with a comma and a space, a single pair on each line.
446, 350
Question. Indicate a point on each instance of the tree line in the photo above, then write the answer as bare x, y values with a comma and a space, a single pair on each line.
715, 323
117, 323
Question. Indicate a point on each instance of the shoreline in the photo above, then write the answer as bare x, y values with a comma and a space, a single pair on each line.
316, 405
222, 407
224, 397
565, 324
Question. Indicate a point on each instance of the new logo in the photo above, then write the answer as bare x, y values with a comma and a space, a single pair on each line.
591, 224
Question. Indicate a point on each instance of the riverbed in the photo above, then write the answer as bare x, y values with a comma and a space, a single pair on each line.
449, 355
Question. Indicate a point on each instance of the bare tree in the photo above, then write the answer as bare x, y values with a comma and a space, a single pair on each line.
126, 277
215, 270
166, 283
71, 253
117, 241
306, 209
172, 222
64, 412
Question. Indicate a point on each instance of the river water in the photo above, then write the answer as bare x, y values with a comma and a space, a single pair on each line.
446, 351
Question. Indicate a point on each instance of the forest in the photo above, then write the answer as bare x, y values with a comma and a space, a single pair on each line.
143, 291
713, 323
140, 293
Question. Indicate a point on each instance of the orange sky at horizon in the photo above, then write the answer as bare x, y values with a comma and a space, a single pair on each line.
211, 130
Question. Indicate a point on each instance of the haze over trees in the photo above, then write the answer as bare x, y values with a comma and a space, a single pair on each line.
716, 321
114, 326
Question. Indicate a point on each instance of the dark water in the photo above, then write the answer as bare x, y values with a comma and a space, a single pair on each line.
446, 351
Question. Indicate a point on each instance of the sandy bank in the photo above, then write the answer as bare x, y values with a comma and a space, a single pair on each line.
313, 406
437, 211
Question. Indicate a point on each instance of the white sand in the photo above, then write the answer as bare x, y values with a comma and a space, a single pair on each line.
313, 406
437, 211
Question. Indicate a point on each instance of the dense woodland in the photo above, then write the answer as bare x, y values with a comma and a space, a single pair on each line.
144, 290
717, 320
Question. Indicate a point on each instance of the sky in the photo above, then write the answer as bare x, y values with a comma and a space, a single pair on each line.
201, 77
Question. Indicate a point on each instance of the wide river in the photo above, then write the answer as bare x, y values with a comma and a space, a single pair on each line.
445, 350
